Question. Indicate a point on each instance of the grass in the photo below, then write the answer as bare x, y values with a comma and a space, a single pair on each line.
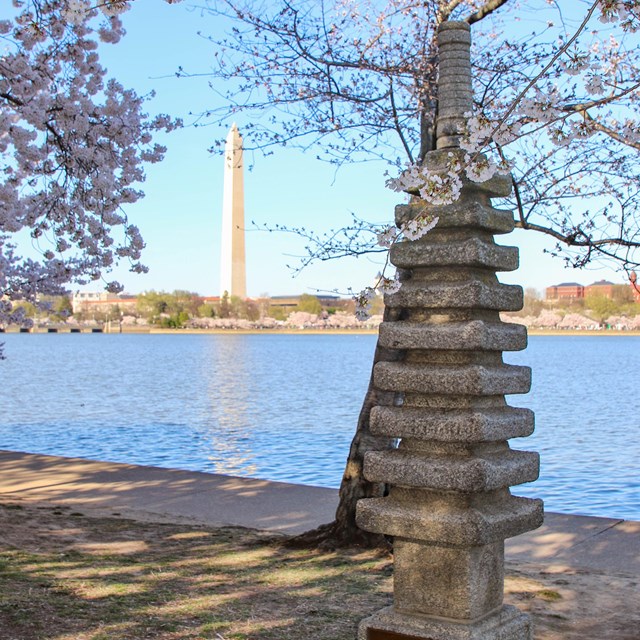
117, 579
67, 576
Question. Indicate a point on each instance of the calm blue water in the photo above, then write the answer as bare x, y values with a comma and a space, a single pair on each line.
284, 407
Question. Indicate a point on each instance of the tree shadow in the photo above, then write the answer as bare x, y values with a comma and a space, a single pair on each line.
133, 489
99, 578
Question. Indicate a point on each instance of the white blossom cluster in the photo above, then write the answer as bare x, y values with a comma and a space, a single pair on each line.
434, 187
388, 285
364, 298
387, 236
414, 229
419, 226
411, 230
72, 148
75, 11
363, 302
624, 12
480, 168
479, 131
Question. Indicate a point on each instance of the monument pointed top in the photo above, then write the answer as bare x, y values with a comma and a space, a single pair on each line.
234, 137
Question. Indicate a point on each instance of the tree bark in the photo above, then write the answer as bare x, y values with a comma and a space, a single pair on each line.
343, 531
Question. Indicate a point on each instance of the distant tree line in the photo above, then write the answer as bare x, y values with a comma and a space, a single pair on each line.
178, 308
53, 308
596, 306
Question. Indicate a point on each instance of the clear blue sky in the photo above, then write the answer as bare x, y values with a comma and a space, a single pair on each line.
180, 217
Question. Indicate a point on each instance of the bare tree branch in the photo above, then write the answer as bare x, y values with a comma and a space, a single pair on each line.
445, 11
394, 113
612, 133
485, 10
561, 50
572, 239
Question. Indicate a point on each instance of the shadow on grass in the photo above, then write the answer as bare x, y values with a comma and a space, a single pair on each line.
97, 578
64, 576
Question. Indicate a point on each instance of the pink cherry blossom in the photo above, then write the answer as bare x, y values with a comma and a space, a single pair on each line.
73, 144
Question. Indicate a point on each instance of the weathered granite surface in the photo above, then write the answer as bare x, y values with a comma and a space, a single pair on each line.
504, 624
449, 506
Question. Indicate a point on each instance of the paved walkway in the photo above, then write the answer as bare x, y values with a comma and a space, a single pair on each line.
151, 493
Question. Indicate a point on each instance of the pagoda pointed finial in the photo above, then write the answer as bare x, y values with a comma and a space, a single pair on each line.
455, 93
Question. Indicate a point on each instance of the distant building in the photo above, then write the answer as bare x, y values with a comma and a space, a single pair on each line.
87, 302
600, 288
289, 303
575, 291
565, 291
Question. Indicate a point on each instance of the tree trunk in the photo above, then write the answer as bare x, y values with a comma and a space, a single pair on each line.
343, 531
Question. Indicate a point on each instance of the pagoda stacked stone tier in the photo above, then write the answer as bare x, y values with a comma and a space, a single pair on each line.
449, 507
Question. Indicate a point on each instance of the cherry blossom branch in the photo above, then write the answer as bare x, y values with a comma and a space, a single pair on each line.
607, 130
445, 11
330, 83
545, 69
73, 145
485, 10
398, 128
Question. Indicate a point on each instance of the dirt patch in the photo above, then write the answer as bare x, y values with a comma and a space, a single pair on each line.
67, 576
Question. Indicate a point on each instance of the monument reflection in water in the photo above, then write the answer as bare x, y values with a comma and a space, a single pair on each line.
229, 394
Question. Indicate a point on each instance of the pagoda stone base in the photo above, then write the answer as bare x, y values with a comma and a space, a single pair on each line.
506, 624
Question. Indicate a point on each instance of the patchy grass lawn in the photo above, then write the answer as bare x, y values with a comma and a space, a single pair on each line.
65, 576
74, 577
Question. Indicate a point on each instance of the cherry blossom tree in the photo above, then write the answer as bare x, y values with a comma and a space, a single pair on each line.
73, 144
356, 80
556, 108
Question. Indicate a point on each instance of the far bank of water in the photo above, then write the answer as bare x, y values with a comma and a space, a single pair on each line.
284, 407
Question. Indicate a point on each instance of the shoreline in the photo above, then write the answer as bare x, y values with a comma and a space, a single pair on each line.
265, 331
76, 468
154, 331
582, 332
288, 331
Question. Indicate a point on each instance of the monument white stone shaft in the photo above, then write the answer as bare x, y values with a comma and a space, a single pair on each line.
233, 277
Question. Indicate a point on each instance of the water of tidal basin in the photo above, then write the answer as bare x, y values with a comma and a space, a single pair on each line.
284, 407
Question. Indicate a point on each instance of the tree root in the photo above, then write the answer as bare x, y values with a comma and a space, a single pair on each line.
331, 536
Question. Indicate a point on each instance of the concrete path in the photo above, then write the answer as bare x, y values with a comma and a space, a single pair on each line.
151, 493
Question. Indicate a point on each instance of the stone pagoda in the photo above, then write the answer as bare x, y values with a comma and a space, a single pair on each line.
449, 507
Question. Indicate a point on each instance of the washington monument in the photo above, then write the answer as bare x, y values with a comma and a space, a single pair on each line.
233, 277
